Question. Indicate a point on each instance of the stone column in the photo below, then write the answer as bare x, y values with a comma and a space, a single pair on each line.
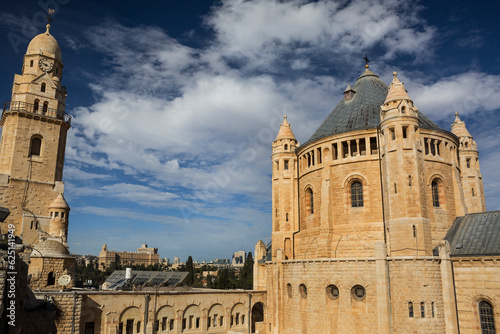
383, 300
449, 302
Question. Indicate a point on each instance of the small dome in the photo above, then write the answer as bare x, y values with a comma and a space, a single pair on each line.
49, 248
46, 44
59, 203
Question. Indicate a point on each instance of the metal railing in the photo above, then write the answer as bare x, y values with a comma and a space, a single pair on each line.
37, 109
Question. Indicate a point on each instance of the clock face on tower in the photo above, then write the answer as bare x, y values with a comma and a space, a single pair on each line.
46, 64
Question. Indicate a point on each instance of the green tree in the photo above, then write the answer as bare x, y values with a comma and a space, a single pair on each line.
190, 269
246, 274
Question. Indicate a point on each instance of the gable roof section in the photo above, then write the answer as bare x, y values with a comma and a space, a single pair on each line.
475, 234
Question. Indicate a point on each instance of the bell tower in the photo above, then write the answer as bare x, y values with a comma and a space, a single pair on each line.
32, 147
284, 190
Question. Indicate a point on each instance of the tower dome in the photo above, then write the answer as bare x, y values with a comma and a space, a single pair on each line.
45, 44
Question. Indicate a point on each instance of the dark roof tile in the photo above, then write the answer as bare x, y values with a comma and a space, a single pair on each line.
475, 234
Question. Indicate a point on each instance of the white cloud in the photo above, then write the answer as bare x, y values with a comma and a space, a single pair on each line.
465, 93
259, 33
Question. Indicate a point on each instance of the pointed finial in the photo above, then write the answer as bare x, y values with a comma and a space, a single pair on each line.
284, 117
394, 74
456, 113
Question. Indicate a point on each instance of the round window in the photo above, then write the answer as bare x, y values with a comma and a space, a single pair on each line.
303, 291
332, 292
358, 293
289, 290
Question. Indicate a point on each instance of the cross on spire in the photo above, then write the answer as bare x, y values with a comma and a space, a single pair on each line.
366, 60
50, 12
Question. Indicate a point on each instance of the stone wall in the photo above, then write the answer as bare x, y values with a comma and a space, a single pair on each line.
416, 281
38, 197
173, 311
476, 280
68, 306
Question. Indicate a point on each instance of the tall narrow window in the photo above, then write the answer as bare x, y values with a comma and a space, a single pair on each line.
286, 147
36, 105
35, 146
45, 107
486, 318
31, 63
422, 310
356, 194
435, 193
432, 310
286, 164
310, 200
42, 89
405, 132
468, 163
410, 309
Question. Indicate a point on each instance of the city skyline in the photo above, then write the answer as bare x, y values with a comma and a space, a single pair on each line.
191, 173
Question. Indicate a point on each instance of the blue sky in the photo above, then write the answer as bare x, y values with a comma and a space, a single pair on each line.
176, 103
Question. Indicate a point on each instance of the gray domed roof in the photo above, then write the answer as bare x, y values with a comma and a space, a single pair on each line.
362, 111
50, 248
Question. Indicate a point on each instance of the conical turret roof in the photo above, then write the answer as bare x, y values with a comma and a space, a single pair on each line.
59, 203
362, 111
397, 91
458, 128
285, 130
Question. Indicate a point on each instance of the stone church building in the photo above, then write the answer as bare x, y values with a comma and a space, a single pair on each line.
378, 226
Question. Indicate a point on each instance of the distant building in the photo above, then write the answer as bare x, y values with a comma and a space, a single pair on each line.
238, 259
145, 255
85, 260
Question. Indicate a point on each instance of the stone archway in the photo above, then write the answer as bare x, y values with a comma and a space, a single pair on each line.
257, 314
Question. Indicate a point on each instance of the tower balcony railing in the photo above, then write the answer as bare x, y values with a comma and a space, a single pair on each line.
36, 109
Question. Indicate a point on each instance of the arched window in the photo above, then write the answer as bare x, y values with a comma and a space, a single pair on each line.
486, 318
410, 309
356, 194
309, 201
35, 105
42, 89
286, 147
45, 107
422, 310
51, 279
435, 193
36, 146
